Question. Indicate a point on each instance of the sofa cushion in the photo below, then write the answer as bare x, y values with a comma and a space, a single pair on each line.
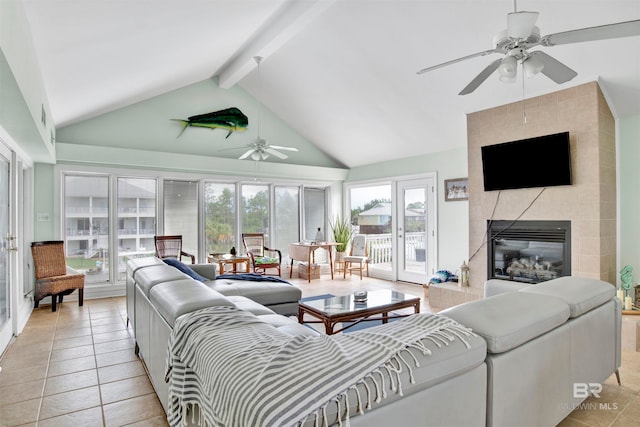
184, 268
244, 303
135, 264
148, 277
581, 293
493, 287
265, 293
173, 299
511, 319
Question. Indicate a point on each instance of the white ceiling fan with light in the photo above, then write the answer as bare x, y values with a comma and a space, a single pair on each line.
521, 35
260, 149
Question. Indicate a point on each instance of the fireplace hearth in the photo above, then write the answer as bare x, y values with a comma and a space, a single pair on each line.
528, 251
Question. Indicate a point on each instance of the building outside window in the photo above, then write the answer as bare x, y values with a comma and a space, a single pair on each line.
136, 205
86, 219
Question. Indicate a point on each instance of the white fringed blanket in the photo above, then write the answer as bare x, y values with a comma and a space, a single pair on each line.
235, 370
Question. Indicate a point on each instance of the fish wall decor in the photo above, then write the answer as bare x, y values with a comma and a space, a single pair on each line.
231, 119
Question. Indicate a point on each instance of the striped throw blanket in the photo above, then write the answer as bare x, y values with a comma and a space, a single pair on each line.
226, 367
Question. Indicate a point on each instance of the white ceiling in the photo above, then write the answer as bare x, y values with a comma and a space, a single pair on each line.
342, 73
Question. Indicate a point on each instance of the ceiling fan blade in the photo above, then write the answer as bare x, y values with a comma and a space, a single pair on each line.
554, 69
280, 147
520, 24
275, 153
246, 154
480, 78
453, 61
233, 149
601, 32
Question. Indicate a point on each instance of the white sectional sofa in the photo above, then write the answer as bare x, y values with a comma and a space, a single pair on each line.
532, 345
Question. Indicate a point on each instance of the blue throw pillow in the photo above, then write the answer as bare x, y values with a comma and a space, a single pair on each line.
441, 276
184, 268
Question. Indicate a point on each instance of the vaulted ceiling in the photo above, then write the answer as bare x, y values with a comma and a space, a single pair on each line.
341, 73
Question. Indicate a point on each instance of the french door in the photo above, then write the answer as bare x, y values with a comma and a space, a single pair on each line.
6, 246
415, 229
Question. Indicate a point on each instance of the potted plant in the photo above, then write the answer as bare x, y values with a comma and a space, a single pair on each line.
342, 232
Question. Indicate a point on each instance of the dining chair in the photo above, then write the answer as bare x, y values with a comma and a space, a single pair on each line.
171, 247
257, 253
359, 255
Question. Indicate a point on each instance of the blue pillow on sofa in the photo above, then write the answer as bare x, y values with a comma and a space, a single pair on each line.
184, 268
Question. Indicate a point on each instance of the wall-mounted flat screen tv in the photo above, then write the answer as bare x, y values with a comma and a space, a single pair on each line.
542, 161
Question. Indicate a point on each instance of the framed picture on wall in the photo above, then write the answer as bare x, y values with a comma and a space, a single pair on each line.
456, 189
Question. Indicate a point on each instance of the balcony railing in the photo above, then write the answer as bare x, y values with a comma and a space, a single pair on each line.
380, 247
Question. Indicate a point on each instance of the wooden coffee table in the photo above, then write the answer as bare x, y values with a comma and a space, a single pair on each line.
334, 310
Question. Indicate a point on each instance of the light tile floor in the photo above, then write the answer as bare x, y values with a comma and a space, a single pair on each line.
76, 367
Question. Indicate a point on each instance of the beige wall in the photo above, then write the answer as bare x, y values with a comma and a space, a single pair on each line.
590, 203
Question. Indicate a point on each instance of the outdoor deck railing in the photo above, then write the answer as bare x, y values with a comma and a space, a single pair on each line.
380, 247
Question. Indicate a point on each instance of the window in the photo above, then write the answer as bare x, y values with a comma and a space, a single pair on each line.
287, 217
220, 217
181, 213
255, 209
86, 219
136, 220
103, 229
315, 213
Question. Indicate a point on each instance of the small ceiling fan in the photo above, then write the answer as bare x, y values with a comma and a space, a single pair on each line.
521, 35
260, 149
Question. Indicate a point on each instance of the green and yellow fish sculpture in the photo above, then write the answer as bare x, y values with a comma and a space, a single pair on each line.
231, 119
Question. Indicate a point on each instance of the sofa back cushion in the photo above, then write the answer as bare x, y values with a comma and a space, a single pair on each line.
178, 297
580, 293
511, 319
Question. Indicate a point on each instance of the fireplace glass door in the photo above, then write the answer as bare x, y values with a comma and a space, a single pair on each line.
529, 251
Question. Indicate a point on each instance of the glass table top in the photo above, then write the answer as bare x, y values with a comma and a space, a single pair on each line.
348, 304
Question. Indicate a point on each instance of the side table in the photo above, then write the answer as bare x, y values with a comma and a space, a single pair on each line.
224, 259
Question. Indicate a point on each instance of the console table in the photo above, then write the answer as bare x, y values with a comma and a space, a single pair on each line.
306, 252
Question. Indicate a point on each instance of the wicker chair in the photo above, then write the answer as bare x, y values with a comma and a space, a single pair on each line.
171, 247
52, 275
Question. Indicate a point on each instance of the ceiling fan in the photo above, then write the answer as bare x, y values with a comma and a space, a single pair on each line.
521, 35
260, 149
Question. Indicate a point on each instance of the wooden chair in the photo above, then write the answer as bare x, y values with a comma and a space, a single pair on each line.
359, 255
171, 247
255, 249
53, 277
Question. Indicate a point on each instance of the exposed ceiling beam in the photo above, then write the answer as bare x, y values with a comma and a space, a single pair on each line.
292, 17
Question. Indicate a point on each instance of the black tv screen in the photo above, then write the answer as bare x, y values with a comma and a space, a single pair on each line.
543, 161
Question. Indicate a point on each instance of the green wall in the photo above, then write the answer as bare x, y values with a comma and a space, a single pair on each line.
148, 126
629, 194
453, 217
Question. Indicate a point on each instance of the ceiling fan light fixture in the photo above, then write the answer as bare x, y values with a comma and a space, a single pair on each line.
532, 66
508, 69
255, 156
